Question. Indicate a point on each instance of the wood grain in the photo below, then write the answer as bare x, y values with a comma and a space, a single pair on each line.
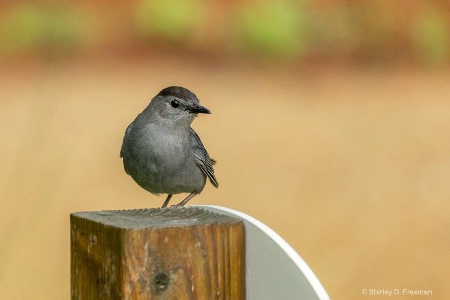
171, 253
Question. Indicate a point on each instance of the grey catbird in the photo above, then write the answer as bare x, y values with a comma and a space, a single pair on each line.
160, 150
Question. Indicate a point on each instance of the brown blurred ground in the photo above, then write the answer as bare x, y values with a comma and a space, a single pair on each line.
350, 166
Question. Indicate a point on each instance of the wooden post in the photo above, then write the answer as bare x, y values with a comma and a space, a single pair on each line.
170, 253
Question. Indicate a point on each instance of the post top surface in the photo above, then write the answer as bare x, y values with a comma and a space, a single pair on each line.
156, 217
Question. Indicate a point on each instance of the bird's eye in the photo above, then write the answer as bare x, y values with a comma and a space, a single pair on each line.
174, 103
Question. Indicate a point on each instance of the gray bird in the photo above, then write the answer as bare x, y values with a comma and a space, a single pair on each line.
160, 150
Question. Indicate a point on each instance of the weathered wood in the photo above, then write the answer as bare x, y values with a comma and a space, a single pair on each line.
170, 253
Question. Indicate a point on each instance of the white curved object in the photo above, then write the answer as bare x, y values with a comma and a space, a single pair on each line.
273, 269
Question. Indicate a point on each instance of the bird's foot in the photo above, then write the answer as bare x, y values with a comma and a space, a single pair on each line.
186, 200
176, 205
167, 201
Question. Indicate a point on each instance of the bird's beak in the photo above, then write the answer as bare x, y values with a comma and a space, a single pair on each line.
198, 109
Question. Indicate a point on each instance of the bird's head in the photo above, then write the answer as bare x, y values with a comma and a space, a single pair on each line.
177, 104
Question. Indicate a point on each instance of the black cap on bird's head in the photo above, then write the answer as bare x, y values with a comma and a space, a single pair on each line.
181, 93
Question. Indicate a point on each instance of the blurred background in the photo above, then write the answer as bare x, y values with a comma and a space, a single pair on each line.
330, 123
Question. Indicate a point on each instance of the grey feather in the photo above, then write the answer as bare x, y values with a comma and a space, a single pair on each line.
125, 144
204, 161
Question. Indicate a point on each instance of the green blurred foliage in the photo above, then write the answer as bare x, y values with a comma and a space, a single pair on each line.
172, 20
366, 31
30, 27
432, 37
272, 29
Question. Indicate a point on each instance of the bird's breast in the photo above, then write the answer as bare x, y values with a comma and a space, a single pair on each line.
162, 161
162, 149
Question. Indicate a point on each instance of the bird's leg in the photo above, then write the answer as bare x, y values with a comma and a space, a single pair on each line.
167, 201
182, 203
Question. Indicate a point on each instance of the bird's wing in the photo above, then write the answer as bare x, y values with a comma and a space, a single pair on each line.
203, 160
124, 143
